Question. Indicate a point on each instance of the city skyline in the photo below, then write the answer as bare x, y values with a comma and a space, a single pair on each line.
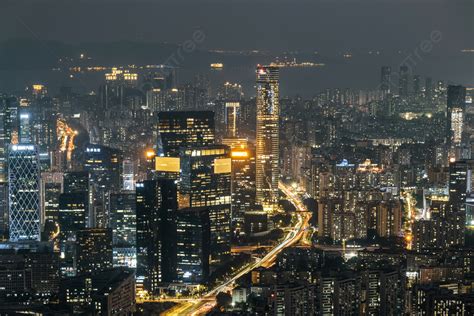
236, 158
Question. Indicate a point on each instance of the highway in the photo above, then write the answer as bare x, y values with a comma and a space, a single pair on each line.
204, 304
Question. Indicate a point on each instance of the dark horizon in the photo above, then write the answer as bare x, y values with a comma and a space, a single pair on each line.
339, 26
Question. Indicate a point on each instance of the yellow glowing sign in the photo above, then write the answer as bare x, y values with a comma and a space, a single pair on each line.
239, 154
150, 154
38, 87
167, 164
222, 165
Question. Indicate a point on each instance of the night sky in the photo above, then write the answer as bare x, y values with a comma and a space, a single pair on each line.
277, 25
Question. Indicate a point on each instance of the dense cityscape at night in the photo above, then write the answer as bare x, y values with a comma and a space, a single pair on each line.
259, 164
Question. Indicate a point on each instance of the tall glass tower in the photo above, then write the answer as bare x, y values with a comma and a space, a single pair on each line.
456, 107
24, 192
268, 112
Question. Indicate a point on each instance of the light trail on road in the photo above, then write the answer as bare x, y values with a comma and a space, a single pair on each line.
204, 304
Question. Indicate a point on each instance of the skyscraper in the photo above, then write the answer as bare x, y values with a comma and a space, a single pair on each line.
268, 113
123, 221
128, 182
93, 250
193, 244
24, 192
456, 106
460, 177
156, 205
385, 79
231, 116
184, 129
403, 81
416, 85
206, 182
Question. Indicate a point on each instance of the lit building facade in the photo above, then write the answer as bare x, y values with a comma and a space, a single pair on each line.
456, 107
156, 207
193, 244
231, 118
205, 181
24, 193
93, 250
267, 148
184, 129
123, 221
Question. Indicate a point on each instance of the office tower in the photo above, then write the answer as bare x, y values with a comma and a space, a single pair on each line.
231, 118
3, 211
123, 221
24, 193
73, 214
243, 183
184, 129
460, 177
76, 182
428, 88
416, 85
111, 292
51, 188
206, 182
93, 250
268, 113
28, 267
156, 205
128, 177
385, 79
104, 165
456, 106
123, 218
26, 127
403, 81
232, 91
4, 141
117, 82
193, 242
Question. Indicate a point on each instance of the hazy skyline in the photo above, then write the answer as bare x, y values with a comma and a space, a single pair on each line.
243, 24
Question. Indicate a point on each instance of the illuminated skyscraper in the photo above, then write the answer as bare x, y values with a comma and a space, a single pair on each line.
156, 204
25, 131
243, 183
128, 181
456, 105
123, 221
460, 179
93, 250
268, 112
205, 181
231, 115
24, 193
184, 129
193, 244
